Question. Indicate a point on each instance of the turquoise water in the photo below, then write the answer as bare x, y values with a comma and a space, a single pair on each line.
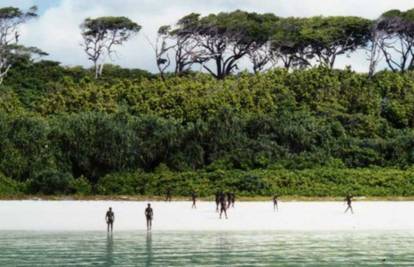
206, 249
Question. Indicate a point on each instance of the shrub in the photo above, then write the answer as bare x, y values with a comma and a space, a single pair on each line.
81, 186
9, 187
51, 182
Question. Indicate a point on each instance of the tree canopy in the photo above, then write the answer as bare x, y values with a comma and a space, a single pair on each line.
102, 34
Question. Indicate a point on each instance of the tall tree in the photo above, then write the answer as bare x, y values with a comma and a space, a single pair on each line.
175, 44
330, 37
162, 49
288, 44
373, 49
10, 20
101, 35
187, 50
260, 56
224, 39
260, 52
395, 38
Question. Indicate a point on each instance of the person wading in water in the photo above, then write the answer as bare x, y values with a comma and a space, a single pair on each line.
149, 214
110, 218
194, 199
275, 199
348, 200
223, 205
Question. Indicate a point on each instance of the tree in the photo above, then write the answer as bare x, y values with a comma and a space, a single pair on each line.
288, 44
100, 35
176, 45
260, 52
395, 38
187, 49
329, 37
373, 50
162, 49
10, 20
223, 39
227, 37
260, 56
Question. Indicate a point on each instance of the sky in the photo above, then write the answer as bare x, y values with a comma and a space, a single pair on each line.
56, 30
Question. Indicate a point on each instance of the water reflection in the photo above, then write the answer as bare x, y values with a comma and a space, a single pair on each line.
109, 257
148, 249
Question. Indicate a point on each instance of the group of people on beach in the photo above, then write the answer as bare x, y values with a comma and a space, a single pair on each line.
223, 202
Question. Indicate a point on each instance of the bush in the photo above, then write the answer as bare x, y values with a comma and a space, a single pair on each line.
321, 182
9, 187
51, 182
81, 186
121, 184
253, 134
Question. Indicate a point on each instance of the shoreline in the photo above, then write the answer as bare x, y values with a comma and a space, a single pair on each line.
178, 215
187, 198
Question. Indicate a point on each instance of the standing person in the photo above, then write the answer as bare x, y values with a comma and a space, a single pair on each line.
275, 207
149, 215
194, 199
217, 200
228, 195
223, 205
168, 195
233, 199
110, 218
348, 200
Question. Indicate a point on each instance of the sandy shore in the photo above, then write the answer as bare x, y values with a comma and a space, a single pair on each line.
246, 216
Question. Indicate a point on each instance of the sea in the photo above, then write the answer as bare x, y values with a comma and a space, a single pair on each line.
207, 248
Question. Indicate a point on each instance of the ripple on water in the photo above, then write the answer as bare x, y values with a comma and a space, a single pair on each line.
206, 249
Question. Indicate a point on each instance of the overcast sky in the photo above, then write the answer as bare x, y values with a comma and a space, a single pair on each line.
56, 31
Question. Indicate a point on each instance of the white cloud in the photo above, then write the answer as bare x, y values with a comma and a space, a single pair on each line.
56, 31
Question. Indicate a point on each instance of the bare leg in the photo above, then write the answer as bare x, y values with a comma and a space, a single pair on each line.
349, 208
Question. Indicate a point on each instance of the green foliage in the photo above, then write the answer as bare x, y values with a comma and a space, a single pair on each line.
24, 146
119, 183
81, 186
51, 182
144, 135
103, 25
322, 182
9, 101
9, 187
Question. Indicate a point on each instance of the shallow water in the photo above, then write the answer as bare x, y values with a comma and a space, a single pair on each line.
206, 248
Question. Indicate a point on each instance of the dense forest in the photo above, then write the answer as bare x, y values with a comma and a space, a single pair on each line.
301, 128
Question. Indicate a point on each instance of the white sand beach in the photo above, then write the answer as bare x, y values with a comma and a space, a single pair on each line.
246, 216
